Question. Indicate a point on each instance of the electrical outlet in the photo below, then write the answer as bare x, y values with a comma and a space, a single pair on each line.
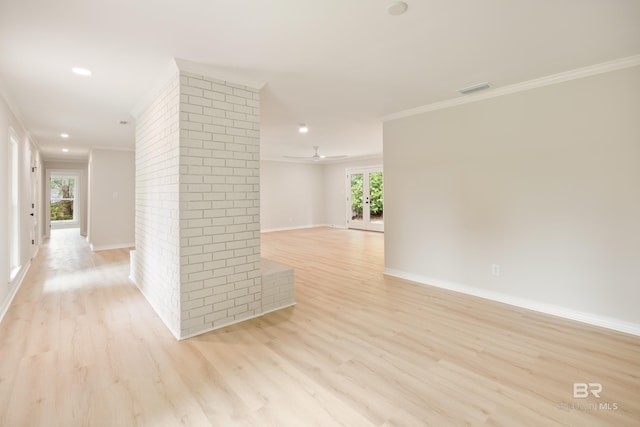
495, 269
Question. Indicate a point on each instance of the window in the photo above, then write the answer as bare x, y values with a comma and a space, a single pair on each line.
14, 214
63, 198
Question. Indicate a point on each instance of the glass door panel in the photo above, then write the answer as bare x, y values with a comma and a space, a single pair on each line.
357, 208
376, 198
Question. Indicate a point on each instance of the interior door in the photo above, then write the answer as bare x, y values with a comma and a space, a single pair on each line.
33, 212
365, 199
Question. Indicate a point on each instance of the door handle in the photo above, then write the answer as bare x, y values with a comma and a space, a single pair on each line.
31, 214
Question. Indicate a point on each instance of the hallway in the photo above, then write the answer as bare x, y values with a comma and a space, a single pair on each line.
58, 354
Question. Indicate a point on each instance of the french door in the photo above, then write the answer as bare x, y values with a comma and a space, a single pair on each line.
365, 199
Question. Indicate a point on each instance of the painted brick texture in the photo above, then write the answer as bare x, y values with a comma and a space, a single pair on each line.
157, 224
219, 215
197, 257
277, 286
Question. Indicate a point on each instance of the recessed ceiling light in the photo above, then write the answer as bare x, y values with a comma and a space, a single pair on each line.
81, 71
65, 150
64, 135
303, 128
397, 8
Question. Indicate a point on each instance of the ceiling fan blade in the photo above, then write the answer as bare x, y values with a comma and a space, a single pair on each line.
316, 156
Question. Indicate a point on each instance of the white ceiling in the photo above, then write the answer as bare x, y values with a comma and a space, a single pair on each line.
338, 66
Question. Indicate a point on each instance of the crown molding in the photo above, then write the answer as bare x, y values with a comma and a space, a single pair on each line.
77, 161
177, 66
109, 148
13, 108
170, 72
592, 70
357, 158
218, 73
9, 101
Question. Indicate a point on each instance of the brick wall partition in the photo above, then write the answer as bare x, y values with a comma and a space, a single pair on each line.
157, 226
219, 203
197, 255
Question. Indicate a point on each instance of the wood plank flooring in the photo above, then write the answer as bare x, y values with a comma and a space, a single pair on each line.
80, 346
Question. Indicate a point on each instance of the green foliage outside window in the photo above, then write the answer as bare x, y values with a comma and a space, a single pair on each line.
356, 194
62, 195
62, 210
376, 194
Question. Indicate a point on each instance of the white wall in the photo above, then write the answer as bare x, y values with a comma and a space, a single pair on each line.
28, 152
301, 195
291, 195
6, 119
82, 194
544, 183
111, 207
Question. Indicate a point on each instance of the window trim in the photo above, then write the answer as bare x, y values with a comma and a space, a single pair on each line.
13, 166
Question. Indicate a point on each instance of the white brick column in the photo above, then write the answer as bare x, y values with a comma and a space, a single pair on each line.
219, 203
157, 259
198, 203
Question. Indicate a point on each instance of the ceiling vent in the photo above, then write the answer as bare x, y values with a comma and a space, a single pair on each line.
475, 88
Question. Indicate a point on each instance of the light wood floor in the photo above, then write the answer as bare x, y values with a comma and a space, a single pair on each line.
81, 347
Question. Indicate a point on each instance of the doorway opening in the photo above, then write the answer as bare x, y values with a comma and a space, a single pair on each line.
365, 199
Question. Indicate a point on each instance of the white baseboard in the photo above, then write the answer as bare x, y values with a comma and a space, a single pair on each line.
302, 227
64, 225
97, 248
224, 325
132, 266
157, 312
279, 308
567, 313
17, 282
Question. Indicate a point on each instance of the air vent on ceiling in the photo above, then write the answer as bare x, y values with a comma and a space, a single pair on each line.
475, 88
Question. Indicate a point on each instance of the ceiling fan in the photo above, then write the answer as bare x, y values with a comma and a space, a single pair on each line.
316, 156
